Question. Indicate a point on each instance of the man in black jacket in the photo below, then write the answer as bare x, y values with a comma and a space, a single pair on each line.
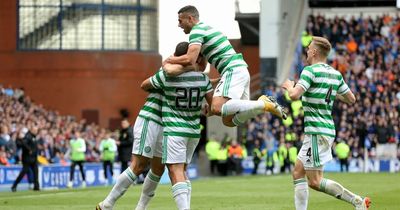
29, 157
125, 143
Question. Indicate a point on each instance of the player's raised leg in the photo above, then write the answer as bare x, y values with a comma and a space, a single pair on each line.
231, 99
330, 187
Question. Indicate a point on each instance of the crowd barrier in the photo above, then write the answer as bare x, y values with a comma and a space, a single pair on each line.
57, 176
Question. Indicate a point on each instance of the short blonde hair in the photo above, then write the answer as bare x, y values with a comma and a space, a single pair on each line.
323, 45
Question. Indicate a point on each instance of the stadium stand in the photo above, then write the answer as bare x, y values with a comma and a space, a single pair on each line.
18, 112
366, 52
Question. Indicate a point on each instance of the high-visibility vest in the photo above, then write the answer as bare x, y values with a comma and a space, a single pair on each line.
222, 154
108, 149
292, 154
212, 149
342, 150
78, 148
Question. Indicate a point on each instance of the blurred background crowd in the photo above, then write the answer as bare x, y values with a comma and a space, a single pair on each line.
18, 113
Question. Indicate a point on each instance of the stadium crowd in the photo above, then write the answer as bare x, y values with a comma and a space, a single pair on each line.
366, 52
18, 113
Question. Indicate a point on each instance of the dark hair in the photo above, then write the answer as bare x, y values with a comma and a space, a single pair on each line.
181, 48
191, 10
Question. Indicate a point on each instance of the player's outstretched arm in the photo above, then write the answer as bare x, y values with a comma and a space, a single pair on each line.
173, 70
348, 97
189, 58
146, 85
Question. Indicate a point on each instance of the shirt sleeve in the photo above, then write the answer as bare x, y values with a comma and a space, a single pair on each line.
113, 145
196, 36
101, 147
83, 146
306, 78
158, 80
343, 87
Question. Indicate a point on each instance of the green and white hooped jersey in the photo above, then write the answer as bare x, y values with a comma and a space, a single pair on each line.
151, 109
183, 98
215, 47
321, 83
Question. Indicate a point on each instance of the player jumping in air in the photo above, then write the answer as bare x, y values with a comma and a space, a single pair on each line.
231, 95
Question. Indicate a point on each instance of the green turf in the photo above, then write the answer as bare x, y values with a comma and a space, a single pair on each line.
232, 193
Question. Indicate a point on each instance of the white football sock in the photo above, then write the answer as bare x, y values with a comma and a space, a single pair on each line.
124, 181
235, 106
242, 117
301, 194
335, 189
149, 187
189, 185
180, 194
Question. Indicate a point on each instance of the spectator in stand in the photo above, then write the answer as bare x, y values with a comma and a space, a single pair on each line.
4, 135
17, 112
3, 157
125, 143
351, 44
59, 159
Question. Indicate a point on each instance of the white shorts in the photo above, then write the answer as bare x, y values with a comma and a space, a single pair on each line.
177, 149
234, 84
147, 137
316, 151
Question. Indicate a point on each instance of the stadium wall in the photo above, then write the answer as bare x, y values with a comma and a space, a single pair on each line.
73, 81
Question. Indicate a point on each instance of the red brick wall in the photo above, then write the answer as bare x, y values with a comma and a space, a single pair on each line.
71, 81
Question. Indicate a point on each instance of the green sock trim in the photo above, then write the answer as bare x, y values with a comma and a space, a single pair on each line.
298, 181
179, 186
153, 177
322, 185
189, 184
223, 111
130, 174
236, 121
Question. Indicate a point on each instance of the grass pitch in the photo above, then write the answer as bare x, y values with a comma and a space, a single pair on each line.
230, 193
